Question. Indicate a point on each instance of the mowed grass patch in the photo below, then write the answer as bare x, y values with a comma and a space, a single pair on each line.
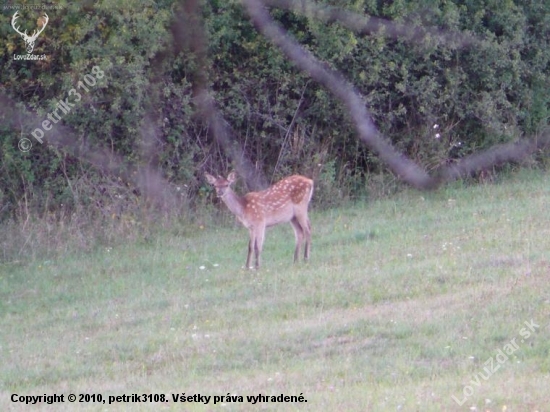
401, 306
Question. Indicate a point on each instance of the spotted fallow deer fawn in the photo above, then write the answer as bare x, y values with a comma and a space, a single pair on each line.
285, 201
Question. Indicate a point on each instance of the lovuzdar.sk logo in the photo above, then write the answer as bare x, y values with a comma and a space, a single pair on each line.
30, 40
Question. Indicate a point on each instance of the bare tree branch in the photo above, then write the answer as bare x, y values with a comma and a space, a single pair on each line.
496, 155
149, 181
189, 34
371, 25
402, 166
333, 81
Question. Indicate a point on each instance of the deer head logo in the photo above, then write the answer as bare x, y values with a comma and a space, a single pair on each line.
29, 40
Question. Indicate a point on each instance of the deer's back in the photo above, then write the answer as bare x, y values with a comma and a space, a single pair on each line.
280, 202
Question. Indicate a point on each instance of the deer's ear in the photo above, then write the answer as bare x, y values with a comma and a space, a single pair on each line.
232, 177
211, 179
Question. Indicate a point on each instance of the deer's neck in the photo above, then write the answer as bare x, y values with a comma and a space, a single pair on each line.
234, 203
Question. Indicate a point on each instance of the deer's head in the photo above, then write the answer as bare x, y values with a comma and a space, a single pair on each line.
221, 185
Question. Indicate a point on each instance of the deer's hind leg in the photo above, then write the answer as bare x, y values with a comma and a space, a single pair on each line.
305, 227
299, 234
259, 243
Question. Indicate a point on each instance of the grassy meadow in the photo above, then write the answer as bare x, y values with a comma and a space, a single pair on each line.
410, 303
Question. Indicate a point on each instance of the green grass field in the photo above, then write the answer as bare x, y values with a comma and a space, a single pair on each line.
414, 303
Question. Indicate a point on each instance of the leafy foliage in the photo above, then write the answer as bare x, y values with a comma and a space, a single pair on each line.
436, 97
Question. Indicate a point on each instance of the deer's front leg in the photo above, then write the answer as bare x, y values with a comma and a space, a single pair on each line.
251, 247
249, 256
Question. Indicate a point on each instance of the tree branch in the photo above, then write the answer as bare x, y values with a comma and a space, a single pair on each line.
149, 181
190, 35
371, 25
402, 166
344, 91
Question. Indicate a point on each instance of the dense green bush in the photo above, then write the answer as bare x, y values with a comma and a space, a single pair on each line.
467, 75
